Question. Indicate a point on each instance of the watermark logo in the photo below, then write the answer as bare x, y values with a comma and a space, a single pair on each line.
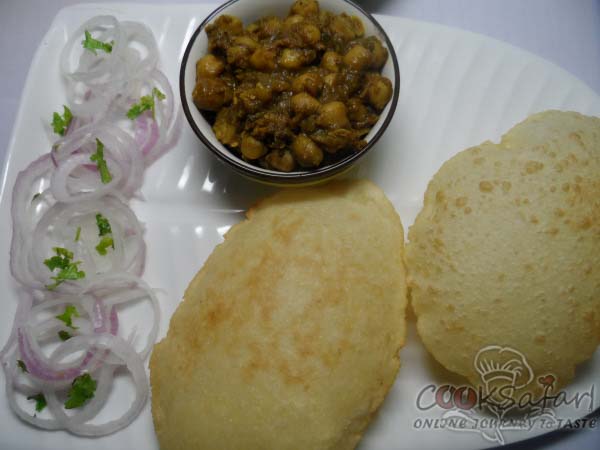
509, 397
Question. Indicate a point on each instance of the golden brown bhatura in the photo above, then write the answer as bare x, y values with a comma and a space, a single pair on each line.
289, 335
504, 258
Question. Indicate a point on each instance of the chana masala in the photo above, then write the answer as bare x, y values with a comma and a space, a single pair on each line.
294, 93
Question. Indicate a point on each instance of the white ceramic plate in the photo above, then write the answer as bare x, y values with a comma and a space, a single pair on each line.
457, 89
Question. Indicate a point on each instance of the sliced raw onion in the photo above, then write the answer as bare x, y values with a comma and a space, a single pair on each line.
55, 204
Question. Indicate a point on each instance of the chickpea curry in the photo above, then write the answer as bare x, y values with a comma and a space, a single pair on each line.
294, 93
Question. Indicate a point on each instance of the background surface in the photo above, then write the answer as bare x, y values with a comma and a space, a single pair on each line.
565, 32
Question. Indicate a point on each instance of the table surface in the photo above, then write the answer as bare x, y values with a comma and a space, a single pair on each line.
565, 32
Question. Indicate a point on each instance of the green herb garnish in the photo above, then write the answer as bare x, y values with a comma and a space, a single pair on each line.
22, 365
61, 260
67, 316
98, 158
64, 335
77, 234
146, 103
104, 243
82, 390
68, 270
103, 225
61, 123
92, 44
104, 229
40, 401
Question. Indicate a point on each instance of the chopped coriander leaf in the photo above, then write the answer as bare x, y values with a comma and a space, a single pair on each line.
68, 269
105, 242
82, 390
70, 273
61, 123
146, 103
103, 225
40, 401
61, 260
64, 335
98, 158
77, 234
67, 316
22, 365
92, 44
159, 95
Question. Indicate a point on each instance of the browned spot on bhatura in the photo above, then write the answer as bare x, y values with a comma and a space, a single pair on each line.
577, 138
540, 339
589, 316
552, 231
559, 212
286, 231
461, 201
218, 312
468, 210
533, 219
532, 167
478, 161
486, 186
506, 185
585, 223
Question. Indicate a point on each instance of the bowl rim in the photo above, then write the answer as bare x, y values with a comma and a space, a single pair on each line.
294, 177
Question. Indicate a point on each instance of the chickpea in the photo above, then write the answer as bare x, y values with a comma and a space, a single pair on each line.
254, 98
226, 133
245, 41
239, 56
358, 58
293, 58
333, 115
359, 115
379, 53
279, 85
271, 26
379, 92
283, 161
310, 82
252, 148
292, 20
357, 25
306, 152
263, 60
211, 94
304, 104
346, 28
331, 61
305, 8
310, 33
263, 93
266, 27
330, 80
226, 126
209, 66
229, 23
